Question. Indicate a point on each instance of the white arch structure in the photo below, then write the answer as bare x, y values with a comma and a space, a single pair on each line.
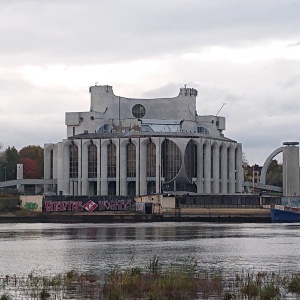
267, 163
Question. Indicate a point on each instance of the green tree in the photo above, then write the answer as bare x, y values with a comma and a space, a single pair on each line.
274, 174
8, 163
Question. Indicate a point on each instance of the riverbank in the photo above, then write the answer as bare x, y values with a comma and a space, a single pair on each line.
178, 282
216, 215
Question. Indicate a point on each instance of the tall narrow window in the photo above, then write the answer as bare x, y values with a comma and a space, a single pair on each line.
111, 161
151, 160
131, 160
131, 188
190, 160
73, 161
170, 160
92, 161
151, 187
112, 188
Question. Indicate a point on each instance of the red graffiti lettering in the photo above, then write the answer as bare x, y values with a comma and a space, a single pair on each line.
56, 206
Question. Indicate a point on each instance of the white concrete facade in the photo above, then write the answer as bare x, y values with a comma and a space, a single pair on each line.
291, 169
137, 147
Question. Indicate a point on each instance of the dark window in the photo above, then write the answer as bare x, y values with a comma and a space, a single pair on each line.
131, 160
190, 160
151, 187
103, 128
73, 161
151, 160
138, 111
131, 188
202, 130
111, 161
112, 188
170, 160
92, 161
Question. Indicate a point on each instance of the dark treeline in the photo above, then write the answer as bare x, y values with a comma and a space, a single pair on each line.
32, 158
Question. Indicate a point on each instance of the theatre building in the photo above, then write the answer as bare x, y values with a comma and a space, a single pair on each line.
135, 147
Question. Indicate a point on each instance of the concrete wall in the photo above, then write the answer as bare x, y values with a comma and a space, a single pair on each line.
291, 171
163, 201
177, 113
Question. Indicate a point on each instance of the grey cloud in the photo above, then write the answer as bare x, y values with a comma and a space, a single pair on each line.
262, 98
168, 90
294, 44
102, 31
291, 83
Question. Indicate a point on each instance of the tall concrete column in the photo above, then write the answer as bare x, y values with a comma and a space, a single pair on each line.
239, 168
207, 167
136, 142
98, 145
143, 168
291, 169
104, 181
224, 169
65, 168
231, 162
216, 168
157, 142
84, 169
199, 166
77, 185
48, 149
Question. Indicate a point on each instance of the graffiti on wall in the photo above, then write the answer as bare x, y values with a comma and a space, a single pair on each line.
114, 205
89, 206
31, 206
55, 206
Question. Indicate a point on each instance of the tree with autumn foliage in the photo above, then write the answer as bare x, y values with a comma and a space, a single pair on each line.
32, 158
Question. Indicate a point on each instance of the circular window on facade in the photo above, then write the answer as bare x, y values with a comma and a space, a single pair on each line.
138, 111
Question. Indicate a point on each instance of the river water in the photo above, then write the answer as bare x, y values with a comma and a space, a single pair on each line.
56, 248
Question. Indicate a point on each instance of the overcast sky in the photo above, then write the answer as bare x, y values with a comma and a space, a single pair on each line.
242, 53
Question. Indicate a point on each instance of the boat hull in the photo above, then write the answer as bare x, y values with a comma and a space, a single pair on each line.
284, 216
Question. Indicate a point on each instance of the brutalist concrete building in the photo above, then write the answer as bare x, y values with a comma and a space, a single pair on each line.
133, 147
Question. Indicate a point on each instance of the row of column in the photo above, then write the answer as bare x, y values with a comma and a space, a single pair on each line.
211, 176
220, 170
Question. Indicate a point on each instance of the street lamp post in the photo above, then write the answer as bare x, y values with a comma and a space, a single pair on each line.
4, 173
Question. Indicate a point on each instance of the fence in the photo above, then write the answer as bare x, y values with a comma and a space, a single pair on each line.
226, 201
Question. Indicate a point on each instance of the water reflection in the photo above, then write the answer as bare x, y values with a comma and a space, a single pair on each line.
98, 247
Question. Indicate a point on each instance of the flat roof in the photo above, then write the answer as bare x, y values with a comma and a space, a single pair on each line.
146, 135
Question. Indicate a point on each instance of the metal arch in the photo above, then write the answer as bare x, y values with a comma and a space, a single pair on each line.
267, 163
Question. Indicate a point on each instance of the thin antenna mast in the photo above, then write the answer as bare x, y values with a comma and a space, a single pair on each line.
220, 109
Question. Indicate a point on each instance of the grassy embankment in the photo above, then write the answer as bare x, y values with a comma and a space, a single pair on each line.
178, 281
9, 203
10, 206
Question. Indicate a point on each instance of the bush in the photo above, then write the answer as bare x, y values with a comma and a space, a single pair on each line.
294, 284
6, 297
10, 204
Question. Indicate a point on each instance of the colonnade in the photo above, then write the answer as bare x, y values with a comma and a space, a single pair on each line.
219, 165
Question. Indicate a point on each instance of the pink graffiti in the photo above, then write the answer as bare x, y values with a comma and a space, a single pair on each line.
51, 206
